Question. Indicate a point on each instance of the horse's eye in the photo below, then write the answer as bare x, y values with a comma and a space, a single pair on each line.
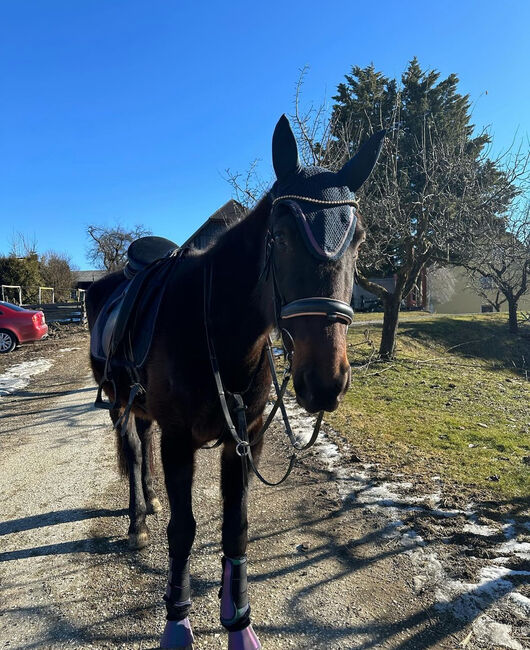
280, 240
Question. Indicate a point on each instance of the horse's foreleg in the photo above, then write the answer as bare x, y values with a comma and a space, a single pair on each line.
132, 451
177, 457
235, 607
145, 431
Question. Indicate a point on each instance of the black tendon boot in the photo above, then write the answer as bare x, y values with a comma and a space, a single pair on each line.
235, 608
177, 633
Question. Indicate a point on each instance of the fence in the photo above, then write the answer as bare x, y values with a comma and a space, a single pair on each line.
62, 312
13, 293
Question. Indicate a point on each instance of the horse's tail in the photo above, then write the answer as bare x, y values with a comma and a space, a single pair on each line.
123, 465
145, 433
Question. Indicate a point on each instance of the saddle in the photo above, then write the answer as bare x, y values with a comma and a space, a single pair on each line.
123, 332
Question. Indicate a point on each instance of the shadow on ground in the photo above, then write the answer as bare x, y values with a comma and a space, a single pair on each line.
486, 340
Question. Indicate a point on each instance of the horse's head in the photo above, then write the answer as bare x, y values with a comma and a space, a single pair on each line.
315, 235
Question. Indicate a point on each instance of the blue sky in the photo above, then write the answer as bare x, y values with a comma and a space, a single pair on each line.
131, 111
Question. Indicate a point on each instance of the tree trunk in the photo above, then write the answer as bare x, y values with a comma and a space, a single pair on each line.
512, 316
392, 304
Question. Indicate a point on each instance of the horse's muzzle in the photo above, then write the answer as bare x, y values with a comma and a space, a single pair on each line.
314, 393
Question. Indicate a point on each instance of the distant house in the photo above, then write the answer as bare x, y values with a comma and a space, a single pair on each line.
83, 279
364, 300
227, 215
461, 298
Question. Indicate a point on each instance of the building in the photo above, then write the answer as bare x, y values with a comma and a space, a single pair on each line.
458, 297
222, 219
83, 279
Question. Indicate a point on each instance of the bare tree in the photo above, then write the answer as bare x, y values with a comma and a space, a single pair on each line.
441, 282
487, 290
108, 245
501, 259
56, 272
247, 187
22, 245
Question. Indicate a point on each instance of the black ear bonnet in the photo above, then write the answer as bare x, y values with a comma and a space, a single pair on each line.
327, 225
322, 202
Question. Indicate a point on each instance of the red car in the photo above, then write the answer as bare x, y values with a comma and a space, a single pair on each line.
19, 325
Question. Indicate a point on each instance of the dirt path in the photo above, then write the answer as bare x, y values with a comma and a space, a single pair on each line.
333, 562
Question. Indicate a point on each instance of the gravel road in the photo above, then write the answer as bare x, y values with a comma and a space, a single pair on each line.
327, 568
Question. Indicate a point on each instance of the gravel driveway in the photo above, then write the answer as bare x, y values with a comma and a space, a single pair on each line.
327, 568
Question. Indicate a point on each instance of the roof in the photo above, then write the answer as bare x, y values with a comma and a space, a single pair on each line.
89, 276
229, 213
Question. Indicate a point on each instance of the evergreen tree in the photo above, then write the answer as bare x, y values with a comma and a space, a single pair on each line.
23, 272
433, 187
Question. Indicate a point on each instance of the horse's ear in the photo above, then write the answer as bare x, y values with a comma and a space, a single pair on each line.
357, 170
284, 149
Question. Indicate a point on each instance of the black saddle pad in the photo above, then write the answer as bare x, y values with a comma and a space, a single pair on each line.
123, 331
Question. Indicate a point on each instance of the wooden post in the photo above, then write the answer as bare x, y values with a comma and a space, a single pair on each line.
12, 286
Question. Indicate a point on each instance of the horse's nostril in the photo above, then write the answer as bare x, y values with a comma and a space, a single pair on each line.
317, 394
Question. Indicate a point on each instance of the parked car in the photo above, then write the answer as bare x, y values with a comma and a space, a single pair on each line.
19, 325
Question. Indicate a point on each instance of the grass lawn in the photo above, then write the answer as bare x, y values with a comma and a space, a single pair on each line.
455, 403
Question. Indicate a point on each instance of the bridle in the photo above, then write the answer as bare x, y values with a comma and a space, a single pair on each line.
331, 309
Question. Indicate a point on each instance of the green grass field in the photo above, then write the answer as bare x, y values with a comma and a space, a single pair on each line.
455, 403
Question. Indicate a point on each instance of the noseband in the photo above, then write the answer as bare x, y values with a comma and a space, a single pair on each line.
333, 310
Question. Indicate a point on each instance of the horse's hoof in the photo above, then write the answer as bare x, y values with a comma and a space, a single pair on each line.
177, 635
154, 506
245, 639
138, 540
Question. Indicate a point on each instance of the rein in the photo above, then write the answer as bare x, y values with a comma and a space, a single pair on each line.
240, 435
333, 310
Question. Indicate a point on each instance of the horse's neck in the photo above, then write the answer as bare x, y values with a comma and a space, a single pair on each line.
241, 292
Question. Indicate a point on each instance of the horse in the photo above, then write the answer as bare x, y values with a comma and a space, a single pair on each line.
289, 264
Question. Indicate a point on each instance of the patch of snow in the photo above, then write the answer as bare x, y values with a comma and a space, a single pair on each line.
470, 602
18, 377
479, 529
522, 602
68, 349
447, 513
411, 539
509, 530
490, 632
512, 546
499, 573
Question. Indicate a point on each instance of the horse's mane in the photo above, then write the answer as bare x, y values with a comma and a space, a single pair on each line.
236, 233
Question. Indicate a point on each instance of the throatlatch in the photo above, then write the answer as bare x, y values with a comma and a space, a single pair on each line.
235, 608
177, 632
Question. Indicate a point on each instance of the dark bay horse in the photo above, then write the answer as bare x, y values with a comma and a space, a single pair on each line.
288, 264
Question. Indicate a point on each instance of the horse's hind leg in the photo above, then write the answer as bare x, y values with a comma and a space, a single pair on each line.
178, 459
145, 432
235, 608
131, 455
